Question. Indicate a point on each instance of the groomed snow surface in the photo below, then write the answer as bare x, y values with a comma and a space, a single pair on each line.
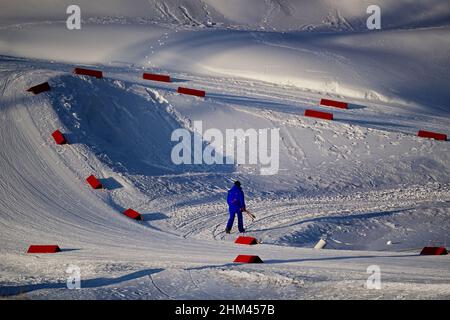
365, 181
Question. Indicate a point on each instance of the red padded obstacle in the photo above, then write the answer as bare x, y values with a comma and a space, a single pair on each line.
40, 88
88, 72
318, 114
333, 103
156, 77
59, 137
192, 92
247, 259
130, 213
93, 181
432, 135
433, 251
43, 249
246, 240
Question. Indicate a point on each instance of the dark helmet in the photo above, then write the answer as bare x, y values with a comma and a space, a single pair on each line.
237, 183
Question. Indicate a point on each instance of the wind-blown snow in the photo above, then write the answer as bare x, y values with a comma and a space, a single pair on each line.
360, 181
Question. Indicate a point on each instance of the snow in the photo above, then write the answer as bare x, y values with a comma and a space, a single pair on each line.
364, 182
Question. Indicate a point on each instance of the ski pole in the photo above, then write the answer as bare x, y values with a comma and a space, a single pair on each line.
251, 215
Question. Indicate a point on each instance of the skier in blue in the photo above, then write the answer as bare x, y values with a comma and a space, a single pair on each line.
236, 204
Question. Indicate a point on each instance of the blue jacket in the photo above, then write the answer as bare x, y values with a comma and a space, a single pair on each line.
235, 199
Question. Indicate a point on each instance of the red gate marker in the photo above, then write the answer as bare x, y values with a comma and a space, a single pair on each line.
433, 251
40, 88
59, 137
432, 135
247, 259
156, 77
246, 240
192, 92
89, 72
130, 213
94, 182
333, 103
43, 249
318, 114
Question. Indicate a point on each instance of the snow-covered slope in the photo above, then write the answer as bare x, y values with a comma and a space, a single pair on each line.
354, 63
46, 201
280, 15
361, 181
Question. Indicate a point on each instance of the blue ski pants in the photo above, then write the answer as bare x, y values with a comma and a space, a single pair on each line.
240, 220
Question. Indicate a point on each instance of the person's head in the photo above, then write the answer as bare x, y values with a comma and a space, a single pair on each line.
237, 184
